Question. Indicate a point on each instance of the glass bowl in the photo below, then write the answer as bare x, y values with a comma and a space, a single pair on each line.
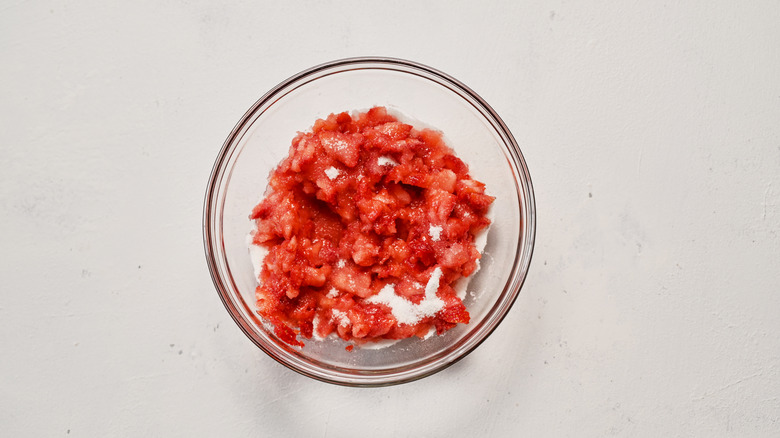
261, 139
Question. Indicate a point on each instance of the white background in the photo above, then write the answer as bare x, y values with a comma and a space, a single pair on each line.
652, 132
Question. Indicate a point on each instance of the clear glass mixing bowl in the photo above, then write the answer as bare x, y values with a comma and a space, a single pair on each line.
261, 139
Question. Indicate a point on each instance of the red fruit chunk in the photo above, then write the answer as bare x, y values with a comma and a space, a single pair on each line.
341, 147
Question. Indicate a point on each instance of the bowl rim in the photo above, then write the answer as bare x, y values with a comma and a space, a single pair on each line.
528, 220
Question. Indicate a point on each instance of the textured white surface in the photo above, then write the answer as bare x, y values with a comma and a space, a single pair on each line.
652, 131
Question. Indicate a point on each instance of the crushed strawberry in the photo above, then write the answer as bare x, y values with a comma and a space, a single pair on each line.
350, 211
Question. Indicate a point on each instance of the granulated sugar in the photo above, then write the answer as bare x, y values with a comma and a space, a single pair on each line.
405, 311
384, 161
332, 173
435, 232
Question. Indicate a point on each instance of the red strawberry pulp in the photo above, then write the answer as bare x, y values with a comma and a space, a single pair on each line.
364, 202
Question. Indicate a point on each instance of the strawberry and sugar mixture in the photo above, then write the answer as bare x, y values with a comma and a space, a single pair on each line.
368, 223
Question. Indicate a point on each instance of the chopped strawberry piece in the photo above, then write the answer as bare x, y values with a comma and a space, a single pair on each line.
341, 147
370, 321
285, 333
454, 311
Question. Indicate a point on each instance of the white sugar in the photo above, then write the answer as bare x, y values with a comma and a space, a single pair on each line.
384, 161
435, 232
433, 284
315, 327
341, 263
333, 292
405, 311
332, 173
341, 317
